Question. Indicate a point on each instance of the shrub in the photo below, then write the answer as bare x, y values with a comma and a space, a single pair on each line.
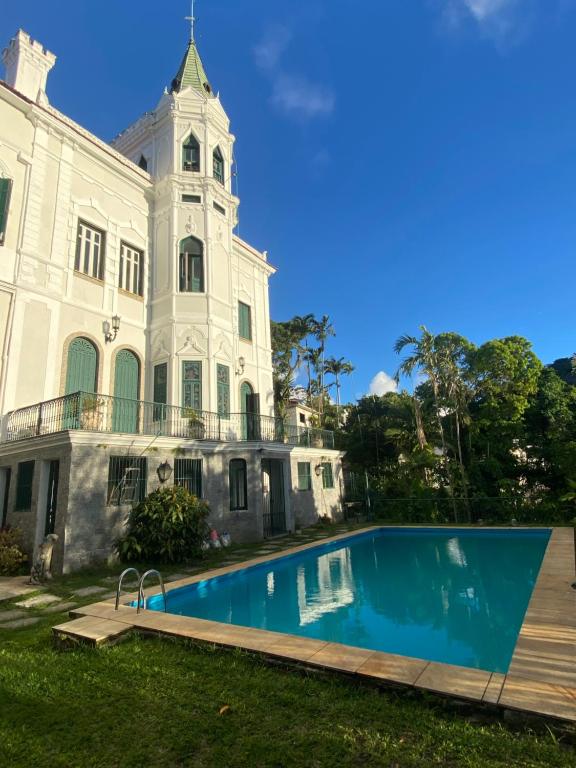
11, 555
169, 526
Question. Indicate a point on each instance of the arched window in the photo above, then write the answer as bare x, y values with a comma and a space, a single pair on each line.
191, 266
191, 154
5, 190
82, 366
218, 165
238, 484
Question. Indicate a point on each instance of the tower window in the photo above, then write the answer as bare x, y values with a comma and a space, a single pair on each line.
191, 155
218, 165
219, 208
143, 163
191, 199
191, 266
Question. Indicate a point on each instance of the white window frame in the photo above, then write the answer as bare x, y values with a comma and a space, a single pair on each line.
131, 275
90, 251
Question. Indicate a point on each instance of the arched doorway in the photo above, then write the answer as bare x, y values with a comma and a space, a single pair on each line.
126, 390
81, 366
250, 409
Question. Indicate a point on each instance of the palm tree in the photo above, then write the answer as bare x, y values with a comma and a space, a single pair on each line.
322, 329
426, 359
337, 368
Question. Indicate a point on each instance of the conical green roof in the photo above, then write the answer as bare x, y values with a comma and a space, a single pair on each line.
191, 73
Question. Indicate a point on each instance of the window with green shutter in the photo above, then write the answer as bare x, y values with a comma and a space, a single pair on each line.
5, 191
245, 321
304, 476
160, 390
24, 486
327, 475
223, 382
238, 484
192, 384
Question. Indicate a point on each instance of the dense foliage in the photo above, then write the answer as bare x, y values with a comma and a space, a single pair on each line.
169, 526
489, 432
11, 555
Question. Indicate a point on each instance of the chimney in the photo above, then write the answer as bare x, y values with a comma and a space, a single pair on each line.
27, 65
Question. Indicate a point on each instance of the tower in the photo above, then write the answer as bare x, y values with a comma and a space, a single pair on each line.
209, 344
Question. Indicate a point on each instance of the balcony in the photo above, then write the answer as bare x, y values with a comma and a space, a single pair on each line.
114, 415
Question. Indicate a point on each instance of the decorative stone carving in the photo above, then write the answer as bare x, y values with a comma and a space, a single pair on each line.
222, 347
192, 341
42, 562
159, 345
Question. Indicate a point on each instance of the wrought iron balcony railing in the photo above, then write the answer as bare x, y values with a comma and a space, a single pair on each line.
102, 413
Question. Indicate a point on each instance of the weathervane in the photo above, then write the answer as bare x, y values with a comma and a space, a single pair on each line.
191, 19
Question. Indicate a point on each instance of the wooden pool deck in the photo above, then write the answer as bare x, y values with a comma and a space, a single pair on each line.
541, 679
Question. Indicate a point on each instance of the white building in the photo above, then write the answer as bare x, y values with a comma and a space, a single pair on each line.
130, 309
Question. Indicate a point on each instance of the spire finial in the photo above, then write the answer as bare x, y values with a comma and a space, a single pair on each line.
191, 19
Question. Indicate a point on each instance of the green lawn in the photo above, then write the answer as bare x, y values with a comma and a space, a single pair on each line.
149, 702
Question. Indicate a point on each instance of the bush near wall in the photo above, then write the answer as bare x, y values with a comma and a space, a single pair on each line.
11, 555
169, 526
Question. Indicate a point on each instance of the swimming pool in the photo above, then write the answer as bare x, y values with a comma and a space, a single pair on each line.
456, 596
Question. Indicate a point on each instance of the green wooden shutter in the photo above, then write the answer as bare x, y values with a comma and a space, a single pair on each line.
192, 385
126, 383
160, 394
197, 270
24, 486
82, 366
5, 190
223, 379
244, 321
327, 475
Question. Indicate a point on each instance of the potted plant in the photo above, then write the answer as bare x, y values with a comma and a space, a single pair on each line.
196, 428
91, 412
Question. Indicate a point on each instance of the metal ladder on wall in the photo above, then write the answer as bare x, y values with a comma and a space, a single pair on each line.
141, 597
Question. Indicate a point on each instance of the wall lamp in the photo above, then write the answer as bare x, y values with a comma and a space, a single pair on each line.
111, 331
241, 366
318, 469
164, 472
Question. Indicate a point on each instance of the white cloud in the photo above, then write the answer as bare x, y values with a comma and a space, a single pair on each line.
482, 10
296, 96
381, 384
503, 21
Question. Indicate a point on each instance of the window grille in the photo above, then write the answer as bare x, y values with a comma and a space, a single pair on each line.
188, 474
127, 480
131, 269
90, 251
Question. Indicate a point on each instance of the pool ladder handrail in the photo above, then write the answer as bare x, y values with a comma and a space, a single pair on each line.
121, 579
141, 598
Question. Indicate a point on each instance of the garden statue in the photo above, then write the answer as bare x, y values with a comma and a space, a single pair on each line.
43, 560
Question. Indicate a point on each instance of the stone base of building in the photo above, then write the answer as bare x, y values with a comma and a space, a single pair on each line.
77, 488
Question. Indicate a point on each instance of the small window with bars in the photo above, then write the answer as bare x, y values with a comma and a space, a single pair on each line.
304, 476
127, 480
244, 321
327, 475
188, 474
238, 481
24, 482
218, 165
90, 247
131, 269
5, 192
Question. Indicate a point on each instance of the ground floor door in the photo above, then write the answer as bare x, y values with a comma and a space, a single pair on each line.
52, 497
273, 497
126, 384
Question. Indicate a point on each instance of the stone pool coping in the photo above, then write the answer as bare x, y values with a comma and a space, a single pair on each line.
541, 679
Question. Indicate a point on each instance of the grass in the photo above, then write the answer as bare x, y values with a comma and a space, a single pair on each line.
169, 704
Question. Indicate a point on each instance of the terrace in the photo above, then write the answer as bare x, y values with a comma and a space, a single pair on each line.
114, 415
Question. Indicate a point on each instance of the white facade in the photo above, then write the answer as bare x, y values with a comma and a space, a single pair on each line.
64, 178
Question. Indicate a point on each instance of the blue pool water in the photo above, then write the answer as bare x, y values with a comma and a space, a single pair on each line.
455, 596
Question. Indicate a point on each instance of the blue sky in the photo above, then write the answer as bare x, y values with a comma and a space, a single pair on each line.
404, 162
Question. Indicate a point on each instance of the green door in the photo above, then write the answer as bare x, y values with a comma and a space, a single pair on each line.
81, 376
82, 366
126, 382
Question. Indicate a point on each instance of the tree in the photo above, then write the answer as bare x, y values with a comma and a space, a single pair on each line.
322, 329
338, 367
